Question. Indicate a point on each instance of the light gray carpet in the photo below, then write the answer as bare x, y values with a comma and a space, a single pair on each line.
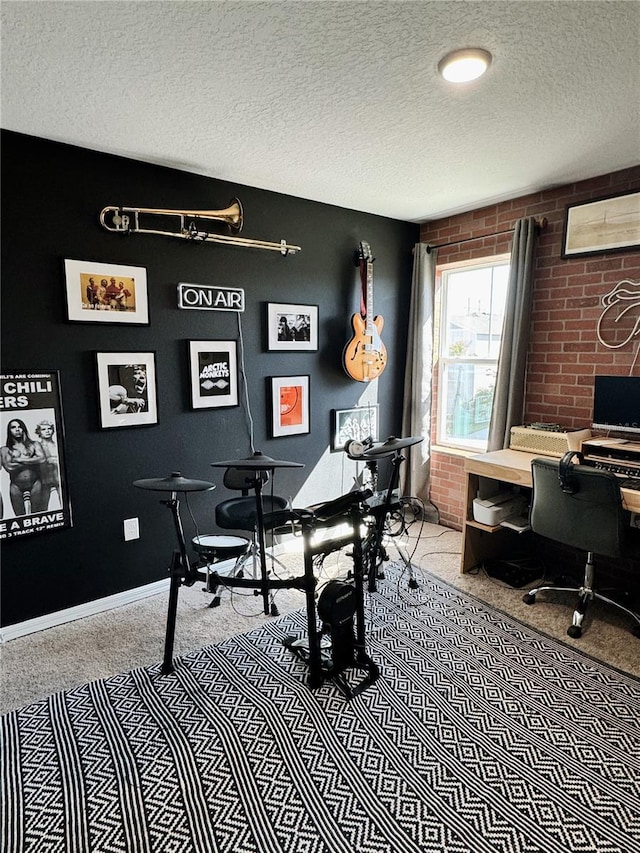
100, 646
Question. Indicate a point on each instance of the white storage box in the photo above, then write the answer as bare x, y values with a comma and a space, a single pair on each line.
492, 511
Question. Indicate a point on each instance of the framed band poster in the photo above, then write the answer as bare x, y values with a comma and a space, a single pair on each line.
213, 367
33, 482
106, 293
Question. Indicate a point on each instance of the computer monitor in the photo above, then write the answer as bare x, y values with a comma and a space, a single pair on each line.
616, 403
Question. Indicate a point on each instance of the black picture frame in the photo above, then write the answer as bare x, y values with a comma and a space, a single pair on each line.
291, 327
354, 424
213, 372
598, 226
35, 495
127, 389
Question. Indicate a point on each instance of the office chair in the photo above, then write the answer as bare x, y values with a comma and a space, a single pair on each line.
241, 513
581, 507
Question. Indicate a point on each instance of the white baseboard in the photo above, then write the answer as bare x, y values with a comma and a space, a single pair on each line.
91, 608
100, 605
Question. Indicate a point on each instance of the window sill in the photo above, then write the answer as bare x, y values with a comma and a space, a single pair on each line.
454, 451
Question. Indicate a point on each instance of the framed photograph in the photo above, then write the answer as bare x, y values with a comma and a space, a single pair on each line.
213, 367
127, 389
290, 406
606, 225
292, 328
355, 424
33, 481
106, 293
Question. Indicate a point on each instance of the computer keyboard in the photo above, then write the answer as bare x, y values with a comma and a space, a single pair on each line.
630, 483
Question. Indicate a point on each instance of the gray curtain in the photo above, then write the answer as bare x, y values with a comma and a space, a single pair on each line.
416, 409
508, 399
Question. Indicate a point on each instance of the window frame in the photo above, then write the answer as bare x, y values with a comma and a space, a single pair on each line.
444, 360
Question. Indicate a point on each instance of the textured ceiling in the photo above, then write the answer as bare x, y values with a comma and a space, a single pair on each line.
337, 102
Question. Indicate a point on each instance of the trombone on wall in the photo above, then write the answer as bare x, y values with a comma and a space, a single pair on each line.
187, 225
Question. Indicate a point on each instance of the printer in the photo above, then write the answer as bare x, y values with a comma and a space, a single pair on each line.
491, 511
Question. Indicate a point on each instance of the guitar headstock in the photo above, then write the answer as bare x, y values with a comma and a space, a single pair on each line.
364, 252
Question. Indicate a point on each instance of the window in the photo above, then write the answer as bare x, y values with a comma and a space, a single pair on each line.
472, 298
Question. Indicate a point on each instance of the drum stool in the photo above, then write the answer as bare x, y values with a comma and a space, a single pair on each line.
213, 549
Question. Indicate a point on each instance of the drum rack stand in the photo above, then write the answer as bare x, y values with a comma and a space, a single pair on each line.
348, 647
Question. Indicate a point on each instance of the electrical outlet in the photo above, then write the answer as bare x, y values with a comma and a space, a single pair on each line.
131, 529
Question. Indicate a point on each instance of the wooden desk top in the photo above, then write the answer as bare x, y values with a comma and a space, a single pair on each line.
514, 466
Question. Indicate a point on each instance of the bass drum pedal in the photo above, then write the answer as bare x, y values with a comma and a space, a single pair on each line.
337, 606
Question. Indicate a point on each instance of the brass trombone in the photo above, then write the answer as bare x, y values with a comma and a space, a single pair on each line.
126, 220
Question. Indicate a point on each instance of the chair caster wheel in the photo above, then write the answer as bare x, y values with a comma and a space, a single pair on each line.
240, 574
274, 610
574, 631
215, 602
413, 583
528, 598
636, 630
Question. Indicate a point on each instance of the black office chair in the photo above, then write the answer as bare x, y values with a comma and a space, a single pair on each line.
581, 507
241, 513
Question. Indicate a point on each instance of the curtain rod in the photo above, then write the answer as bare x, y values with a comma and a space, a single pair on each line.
541, 224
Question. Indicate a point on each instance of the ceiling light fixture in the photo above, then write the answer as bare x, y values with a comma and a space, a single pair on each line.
461, 66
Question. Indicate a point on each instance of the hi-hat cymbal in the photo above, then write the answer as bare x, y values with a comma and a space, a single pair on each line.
175, 482
257, 462
391, 445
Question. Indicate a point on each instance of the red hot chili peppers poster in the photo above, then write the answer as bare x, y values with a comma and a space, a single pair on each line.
33, 485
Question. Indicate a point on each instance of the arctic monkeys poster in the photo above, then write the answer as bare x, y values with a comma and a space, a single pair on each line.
214, 374
33, 483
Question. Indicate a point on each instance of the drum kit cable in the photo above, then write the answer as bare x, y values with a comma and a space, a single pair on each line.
341, 604
370, 453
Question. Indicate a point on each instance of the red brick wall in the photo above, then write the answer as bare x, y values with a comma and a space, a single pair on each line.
564, 350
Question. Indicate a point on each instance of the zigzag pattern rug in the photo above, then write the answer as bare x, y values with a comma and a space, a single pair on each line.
481, 736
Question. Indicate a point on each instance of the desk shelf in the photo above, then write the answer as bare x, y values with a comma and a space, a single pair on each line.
488, 528
510, 468
487, 541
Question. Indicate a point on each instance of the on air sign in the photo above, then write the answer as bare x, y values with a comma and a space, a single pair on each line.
204, 298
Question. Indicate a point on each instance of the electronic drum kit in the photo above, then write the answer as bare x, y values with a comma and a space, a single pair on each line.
215, 548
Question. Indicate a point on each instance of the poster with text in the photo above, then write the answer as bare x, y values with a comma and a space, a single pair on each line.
214, 374
33, 484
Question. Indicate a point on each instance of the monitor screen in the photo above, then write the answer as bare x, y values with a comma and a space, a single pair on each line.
616, 403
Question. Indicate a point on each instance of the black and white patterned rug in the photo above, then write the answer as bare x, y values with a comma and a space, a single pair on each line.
481, 735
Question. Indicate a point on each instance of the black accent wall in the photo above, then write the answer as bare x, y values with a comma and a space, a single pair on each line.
52, 197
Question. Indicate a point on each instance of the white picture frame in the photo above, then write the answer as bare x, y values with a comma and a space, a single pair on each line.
290, 405
106, 293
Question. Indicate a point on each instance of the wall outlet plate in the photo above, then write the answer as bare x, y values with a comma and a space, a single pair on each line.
131, 529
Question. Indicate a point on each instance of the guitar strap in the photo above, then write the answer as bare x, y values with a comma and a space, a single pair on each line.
363, 288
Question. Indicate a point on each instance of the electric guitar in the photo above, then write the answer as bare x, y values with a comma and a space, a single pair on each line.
365, 356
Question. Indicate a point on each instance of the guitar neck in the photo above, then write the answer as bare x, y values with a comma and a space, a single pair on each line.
367, 287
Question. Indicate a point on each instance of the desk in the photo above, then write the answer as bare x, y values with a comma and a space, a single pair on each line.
481, 541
